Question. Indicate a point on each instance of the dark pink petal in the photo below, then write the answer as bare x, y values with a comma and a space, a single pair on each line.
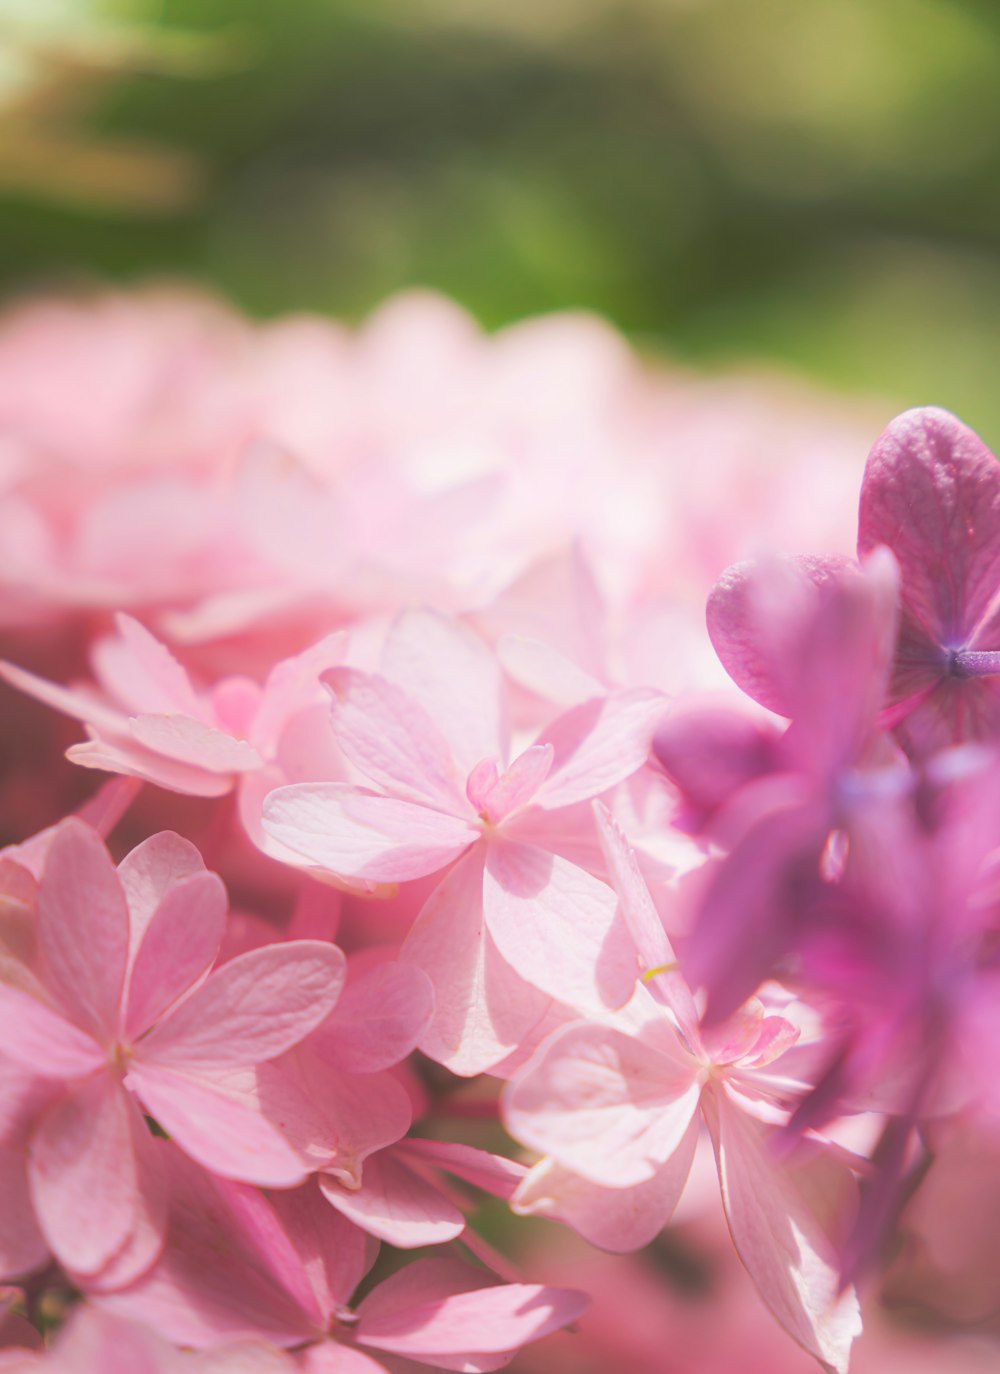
254, 1008
393, 740
22, 1245
710, 752
41, 1040
557, 926
84, 1179
149, 871
329, 1358
441, 1307
604, 1104
482, 1008
179, 946
334, 1255
785, 1251
444, 666
379, 1019
83, 928
931, 493
755, 615
217, 1131
598, 744
395, 1203
359, 835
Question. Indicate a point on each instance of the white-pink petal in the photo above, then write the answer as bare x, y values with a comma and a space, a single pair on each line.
783, 1246
360, 835
598, 744
149, 871
603, 1104
558, 926
185, 740
483, 1009
395, 1203
392, 740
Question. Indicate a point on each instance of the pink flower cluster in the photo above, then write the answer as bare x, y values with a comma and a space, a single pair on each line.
402, 633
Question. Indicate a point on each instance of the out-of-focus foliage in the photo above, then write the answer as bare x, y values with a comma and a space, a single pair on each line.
813, 182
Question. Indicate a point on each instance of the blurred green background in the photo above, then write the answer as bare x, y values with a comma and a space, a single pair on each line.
815, 182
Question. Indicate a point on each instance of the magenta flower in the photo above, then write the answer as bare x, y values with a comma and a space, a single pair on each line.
513, 922
931, 493
119, 1012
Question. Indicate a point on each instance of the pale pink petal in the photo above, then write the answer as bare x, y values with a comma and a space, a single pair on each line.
482, 1008
292, 685
142, 674
43, 1041
361, 835
84, 1180
77, 704
83, 928
395, 1204
379, 1018
185, 740
599, 743
656, 954
443, 1308
131, 759
518, 784
243, 1357
149, 871
557, 926
603, 1104
786, 1253
218, 1132
617, 1219
448, 669
392, 740
22, 1245
179, 946
493, 1173
253, 1008
547, 672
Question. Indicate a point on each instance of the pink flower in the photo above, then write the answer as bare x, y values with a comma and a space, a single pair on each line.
931, 493
118, 1012
512, 923
614, 1107
292, 1269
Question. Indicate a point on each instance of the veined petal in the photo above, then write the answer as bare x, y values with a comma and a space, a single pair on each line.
251, 1009
84, 1180
603, 1104
149, 871
482, 1007
557, 926
391, 738
141, 673
218, 1132
442, 1307
379, 1018
785, 1251
598, 743
395, 1203
178, 947
37, 1037
185, 740
359, 835
83, 928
